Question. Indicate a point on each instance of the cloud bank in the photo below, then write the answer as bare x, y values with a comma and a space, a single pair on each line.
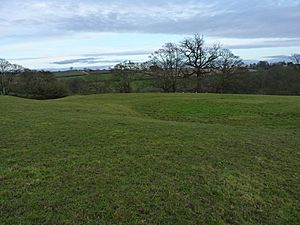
224, 18
71, 30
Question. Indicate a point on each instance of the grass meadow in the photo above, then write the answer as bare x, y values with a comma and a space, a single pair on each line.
150, 159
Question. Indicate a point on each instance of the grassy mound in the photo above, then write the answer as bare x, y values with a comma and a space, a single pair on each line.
150, 159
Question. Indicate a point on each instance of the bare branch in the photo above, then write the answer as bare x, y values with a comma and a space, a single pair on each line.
200, 59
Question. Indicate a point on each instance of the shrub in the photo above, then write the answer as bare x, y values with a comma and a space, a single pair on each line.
38, 85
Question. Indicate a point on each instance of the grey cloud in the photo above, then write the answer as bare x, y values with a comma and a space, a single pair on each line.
279, 58
124, 53
240, 24
267, 44
237, 20
27, 58
218, 18
91, 57
85, 61
72, 61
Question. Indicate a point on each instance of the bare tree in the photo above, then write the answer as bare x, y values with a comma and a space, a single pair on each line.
199, 58
166, 65
124, 74
227, 65
296, 60
7, 73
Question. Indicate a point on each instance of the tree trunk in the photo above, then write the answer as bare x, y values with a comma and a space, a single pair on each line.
2, 85
174, 87
222, 84
3, 90
199, 83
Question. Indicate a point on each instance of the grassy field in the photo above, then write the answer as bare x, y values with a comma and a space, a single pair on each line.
150, 159
70, 74
82, 74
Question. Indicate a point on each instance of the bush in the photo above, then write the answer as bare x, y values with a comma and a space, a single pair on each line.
38, 85
77, 85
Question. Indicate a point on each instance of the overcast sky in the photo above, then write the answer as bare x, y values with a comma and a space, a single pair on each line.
88, 33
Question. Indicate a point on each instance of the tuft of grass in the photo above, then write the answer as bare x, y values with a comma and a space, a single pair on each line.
150, 159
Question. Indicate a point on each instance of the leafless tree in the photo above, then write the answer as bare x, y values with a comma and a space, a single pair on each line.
227, 64
296, 60
200, 59
167, 64
7, 73
124, 74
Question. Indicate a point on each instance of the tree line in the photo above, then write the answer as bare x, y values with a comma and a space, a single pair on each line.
201, 68
19, 81
188, 66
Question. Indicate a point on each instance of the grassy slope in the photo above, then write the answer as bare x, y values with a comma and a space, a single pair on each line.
70, 74
82, 74
150, 159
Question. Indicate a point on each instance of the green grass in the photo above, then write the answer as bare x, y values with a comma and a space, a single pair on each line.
81, 74
150, 159
70, 74
103, 77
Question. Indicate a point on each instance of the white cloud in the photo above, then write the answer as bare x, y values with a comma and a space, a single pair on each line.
68, 28
228, 18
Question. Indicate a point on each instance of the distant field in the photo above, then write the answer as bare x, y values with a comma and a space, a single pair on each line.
70, 74
150, 159
81, 74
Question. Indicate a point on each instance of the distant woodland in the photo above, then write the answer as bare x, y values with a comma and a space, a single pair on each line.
188, 66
